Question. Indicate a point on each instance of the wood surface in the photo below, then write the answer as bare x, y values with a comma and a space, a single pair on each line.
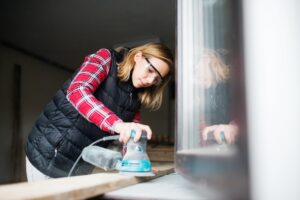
79, 187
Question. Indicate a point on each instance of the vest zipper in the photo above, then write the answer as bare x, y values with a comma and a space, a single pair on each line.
130, 100
55, 152
57, 146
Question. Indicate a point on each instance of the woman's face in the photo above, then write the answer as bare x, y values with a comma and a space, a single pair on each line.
204, 75
148, 71
206, 80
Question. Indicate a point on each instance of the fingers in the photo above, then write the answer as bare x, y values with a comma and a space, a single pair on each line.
140, 129
230, 133
121, 137
138, 133
206, 131
125, 129
126, 136
233, 130
218, 134
222, 133
148, 130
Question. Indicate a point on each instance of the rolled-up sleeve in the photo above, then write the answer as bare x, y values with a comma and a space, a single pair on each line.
92, 73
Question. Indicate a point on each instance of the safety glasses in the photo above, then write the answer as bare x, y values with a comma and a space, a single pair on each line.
152, 70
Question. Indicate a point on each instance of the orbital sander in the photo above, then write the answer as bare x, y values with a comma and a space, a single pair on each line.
135, 161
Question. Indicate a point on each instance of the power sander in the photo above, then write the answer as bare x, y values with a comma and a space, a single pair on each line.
135, 161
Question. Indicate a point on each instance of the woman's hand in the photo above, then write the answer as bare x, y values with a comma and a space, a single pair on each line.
125, 128
223, 133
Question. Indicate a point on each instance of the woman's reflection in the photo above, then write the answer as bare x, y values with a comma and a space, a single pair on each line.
213, 81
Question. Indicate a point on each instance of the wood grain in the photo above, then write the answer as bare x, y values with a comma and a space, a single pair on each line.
79, 187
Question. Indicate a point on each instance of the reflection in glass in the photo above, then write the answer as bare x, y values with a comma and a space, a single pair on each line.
210, 142
212, 79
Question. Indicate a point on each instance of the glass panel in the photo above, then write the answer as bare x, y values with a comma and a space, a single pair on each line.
210, 143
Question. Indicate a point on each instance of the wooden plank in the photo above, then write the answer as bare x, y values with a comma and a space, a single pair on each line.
79, 187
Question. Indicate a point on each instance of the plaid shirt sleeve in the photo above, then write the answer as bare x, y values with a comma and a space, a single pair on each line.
92, 72
137, 117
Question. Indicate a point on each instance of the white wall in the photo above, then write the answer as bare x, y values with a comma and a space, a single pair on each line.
272, 46
39, 82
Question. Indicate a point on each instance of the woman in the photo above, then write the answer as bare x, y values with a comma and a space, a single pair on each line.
103, 97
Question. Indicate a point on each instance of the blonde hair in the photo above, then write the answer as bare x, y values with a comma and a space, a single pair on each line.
150, 97
212, 61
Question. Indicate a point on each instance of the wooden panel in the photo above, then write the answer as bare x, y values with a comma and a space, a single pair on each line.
79, 187
161, 153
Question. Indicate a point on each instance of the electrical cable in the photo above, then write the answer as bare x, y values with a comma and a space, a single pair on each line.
114, 137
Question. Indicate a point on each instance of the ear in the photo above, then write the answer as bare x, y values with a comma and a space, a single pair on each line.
138, 56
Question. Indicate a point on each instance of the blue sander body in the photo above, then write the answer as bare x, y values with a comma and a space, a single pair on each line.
135, 161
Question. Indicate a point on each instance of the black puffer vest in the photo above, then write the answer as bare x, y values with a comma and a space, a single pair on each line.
60, 133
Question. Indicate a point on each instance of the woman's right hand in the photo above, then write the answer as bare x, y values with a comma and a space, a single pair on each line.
229, 131
125, 128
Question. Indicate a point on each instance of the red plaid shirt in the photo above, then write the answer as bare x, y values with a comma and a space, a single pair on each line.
93, 71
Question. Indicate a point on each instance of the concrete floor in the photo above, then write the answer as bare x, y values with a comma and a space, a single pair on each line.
169, 187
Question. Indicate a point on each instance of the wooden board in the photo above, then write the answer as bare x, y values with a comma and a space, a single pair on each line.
79, 187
